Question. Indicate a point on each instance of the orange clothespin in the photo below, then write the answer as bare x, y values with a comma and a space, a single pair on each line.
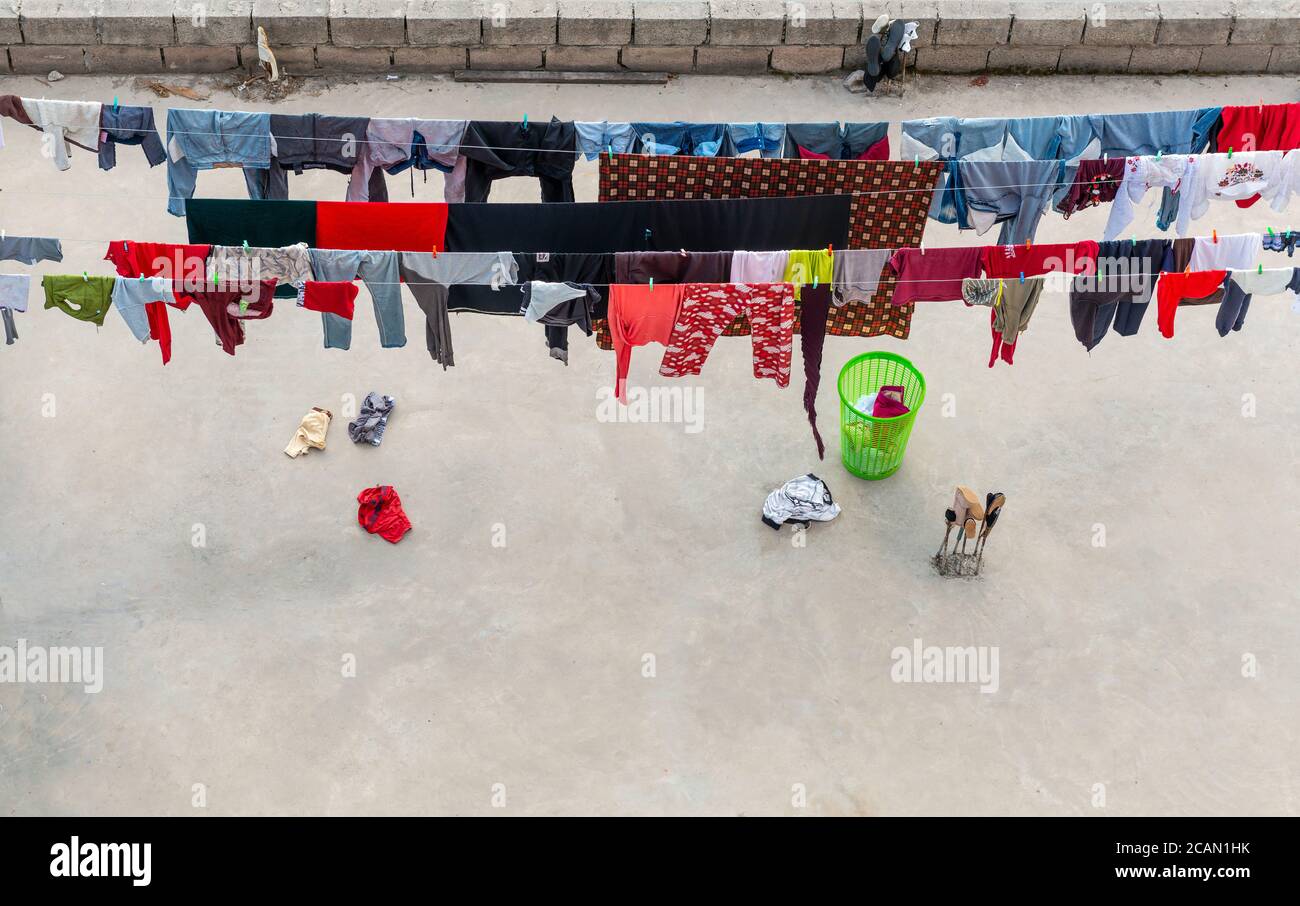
1028, 244
1216, 236
830, 249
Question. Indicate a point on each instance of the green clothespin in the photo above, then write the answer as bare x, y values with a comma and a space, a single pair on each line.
1158, 153
1261, 270
525, 122
1230, 152
243, 306
652, 284
1270, 232
84, 278
815, 281
115, 104
610, 149
245, 245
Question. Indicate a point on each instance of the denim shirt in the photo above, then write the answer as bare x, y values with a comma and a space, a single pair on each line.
129, 126
695, 139
201, 139
595, 139
766, 138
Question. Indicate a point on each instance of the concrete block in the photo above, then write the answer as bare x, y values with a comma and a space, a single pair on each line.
200, 58
64, 22
527, 57
139, 22
1121, 23
582, 58
1233, 59
1274, 22
1094, 59
1042, 23
658, 59
1284, 59
353, 59
806, 60
669, 23
294, 59
1028, 60
602, 23
10, 31
367, 23
116, 58
430, 59
293, 21
952, 59
746, 23
1164, 59
975, 23
214, 22
1194, 22
731, 60
514, 22
39, 59
454, 22
824, 22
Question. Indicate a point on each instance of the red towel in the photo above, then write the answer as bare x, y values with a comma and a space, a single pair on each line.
337, 297
381, 226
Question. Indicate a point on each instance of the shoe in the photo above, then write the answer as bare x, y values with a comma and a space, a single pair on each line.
880, 24
893, 67
993, 504
893, 38
873, 58
967, 503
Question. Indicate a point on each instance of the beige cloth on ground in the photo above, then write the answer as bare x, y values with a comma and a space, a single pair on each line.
311, 432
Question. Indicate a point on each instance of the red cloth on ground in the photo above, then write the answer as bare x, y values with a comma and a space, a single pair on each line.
1005, 262
380, 512
383, 226
1270, 127
337, 297
1174, 288
159, 259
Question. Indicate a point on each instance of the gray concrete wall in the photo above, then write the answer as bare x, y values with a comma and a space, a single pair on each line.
702, 36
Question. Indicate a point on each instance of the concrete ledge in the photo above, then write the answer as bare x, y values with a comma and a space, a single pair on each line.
800, 37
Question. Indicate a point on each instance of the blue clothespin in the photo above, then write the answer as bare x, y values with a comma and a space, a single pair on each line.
525, 122
647, 234
815, 281
245, 245
652, 284
115, 104
610, 149
1022, 276
1158, 153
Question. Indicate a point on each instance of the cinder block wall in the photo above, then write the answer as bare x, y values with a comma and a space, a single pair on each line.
700, 36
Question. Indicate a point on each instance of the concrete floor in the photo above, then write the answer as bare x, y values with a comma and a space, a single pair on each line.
522, 665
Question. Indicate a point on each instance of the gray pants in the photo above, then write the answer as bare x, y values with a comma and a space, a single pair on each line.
378, 270
11, 333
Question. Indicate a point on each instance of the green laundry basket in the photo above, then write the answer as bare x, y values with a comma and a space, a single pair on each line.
872, 448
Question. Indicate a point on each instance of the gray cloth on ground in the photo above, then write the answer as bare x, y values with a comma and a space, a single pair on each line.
804, 499
369, 426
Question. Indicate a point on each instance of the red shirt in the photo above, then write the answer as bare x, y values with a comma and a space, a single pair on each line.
1009, 261
380, 512
159, 259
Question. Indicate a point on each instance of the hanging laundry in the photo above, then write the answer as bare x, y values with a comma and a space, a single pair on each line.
1013, 304
395, 145
307, 141
30, 249
499, 150
1257, 127
378, 226
807, 266
559, 306
856, 274
1242, 285
129, 126
1173, 288
1010, 261
815, 311
380, 513
1119, 291
1013, 193
313, 428
672, 267
264, 224
185, 263
1223, 177
81, 297
370, 425
66, 123
833, 141
692, 139
803, 500
14, 290
204, 139
428, 277
380, 272
130, 298
706, 309
1141, 174
1209, 253
933, 275
888, 208
217, 300
329, 297
640, 314
595, 139
768, 139
757, 267
1095, 183
1284, 241
237, 264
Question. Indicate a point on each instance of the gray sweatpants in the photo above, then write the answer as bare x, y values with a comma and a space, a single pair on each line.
378, 270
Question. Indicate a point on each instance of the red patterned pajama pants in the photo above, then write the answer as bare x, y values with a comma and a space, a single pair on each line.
709, 308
